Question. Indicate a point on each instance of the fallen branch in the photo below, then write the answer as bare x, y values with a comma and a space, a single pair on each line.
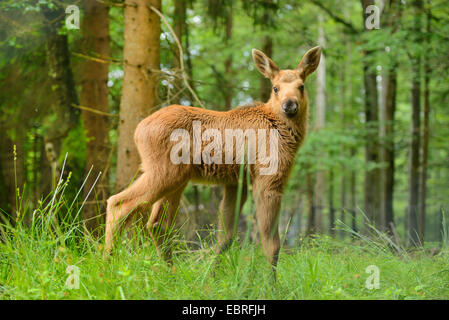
100, 60
102, 113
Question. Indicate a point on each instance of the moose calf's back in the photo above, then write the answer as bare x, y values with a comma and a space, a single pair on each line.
155, 140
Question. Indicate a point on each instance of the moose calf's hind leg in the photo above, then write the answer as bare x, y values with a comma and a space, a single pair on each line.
161, 223
121, 204
149, 187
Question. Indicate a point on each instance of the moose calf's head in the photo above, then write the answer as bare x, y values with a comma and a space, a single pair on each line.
288, 94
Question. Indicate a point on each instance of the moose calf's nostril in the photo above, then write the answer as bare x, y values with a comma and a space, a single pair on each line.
290, 107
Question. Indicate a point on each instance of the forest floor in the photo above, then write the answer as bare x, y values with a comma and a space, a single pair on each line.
34, 264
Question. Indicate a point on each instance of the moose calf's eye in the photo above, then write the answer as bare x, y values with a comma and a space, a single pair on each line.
275, 90
301, 87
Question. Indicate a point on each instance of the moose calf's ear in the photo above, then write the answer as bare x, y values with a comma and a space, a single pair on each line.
309, 62
265, 65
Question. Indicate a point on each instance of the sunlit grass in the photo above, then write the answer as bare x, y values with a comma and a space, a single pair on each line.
34, 263
34, 257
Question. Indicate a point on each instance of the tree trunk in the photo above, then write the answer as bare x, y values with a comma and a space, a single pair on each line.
311, 228
62, 82
413, 197
343, 169
228, 62
425, 135
181, 28
353, 200
320, 119
331, 204
95, 95
393, 15
265, 84
141, 56
389, 148
189, 61
371, 203
352, 150
178, 27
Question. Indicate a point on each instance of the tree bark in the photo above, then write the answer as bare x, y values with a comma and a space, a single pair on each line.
353, 150
178, 27
331, 204
353, 199
265, 84
311, 228
393, 15
425, 133
415, 128
228, 61
371, 203
320, 120
62, 82
389, 147
181, 28
95, 96
343, 124
141, 55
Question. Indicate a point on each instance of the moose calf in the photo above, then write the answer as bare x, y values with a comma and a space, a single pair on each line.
169, 163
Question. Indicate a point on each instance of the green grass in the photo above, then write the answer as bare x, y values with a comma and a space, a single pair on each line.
34, 262
34, 257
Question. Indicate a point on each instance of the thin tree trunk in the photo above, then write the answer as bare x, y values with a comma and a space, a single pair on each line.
371, 203
352, 150
382, 90
178, 26
331, 204
228, 62
62, 82
320, 119
141, 56
194, 218
265, 84
189, 59
393, 16
36, 161
311, 227
353, 184
389, 147
296, 224
95, 95
425, 135
413, 197
343, 169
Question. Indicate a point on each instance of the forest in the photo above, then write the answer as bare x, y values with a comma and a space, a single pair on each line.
77, 76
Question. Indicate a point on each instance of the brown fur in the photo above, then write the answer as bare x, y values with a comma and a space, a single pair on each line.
162, 182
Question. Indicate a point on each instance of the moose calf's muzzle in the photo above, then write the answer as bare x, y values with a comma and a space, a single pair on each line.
290, 108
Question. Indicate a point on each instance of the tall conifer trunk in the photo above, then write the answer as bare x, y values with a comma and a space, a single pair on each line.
95, 95
141, 56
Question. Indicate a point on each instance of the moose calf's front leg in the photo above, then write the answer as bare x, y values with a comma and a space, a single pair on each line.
267, 213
